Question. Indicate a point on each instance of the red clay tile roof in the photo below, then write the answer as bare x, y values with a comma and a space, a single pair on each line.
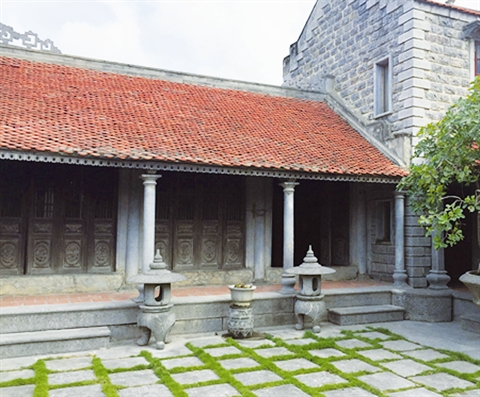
453, 7
79, 112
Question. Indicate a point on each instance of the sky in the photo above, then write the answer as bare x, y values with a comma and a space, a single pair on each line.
235, 39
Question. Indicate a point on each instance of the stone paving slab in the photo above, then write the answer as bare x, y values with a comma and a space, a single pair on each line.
209, 341
134, 378
406, 367
373, 335
256, 377
421, 392
354, 365
78, 391
9, 364
182, 362
222, 390
460, 366
146, 391
352, 343
379, 354
350, 392
171, 352
61, 378
253, 344
223, 351
388, 375
272, 352
386, 381
319, 379
118, 352
11, 375
425, 354
68, 364
236, 363
277, 391
124, 362
17, 391
442, 381
327, 353
400, 345
190, 377
295, 364
300, 342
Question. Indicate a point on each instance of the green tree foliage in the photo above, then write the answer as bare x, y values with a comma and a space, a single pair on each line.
448, 152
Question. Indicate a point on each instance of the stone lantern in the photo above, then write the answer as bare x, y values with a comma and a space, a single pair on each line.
156, 314
309, 300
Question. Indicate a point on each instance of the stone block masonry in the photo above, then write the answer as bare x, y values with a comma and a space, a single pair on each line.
431, 61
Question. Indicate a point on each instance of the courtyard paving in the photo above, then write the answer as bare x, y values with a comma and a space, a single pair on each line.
402, 359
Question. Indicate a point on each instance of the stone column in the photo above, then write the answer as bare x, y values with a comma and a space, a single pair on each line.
288, 280
149, 183
133, 226
437, 276
399, 274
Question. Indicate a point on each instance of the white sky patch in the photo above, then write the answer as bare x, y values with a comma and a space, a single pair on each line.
236, 39
116, 40
243, 40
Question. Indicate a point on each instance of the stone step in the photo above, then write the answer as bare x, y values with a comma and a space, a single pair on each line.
53, 341
365, 314
471, 322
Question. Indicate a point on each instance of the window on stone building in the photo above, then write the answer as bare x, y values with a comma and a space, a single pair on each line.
383, 221
382, 87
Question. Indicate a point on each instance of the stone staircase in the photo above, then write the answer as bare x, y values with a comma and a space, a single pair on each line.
362, 307
61, 328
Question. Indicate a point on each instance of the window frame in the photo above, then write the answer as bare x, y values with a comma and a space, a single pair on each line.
382, 87
384, 230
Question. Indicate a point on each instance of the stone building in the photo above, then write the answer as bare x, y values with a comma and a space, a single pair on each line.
394, 66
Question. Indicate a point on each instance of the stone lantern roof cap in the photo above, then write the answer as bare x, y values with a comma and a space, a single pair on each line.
158, 273
310, 266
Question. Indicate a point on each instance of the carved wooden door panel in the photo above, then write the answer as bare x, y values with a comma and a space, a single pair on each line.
163, 219
334, 224
184, 250
210, 225
200, 221
43, 226
101, 198
56, 219
12, 220
233, 236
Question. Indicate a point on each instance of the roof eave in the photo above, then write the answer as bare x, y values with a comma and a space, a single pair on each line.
42, 157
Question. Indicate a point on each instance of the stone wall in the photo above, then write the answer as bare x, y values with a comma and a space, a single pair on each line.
431, 63
436, 66
418, 250
380, 254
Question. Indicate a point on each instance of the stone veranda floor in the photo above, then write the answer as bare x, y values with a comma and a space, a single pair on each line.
398, 359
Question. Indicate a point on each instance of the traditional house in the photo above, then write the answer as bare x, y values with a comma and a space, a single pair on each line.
396, 65
226, 158
85, 145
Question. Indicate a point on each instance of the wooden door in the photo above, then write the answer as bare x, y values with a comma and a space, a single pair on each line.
64, 222
200, 221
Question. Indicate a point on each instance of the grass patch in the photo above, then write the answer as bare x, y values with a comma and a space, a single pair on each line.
41, 379
164, 375
225, 375
102, 375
